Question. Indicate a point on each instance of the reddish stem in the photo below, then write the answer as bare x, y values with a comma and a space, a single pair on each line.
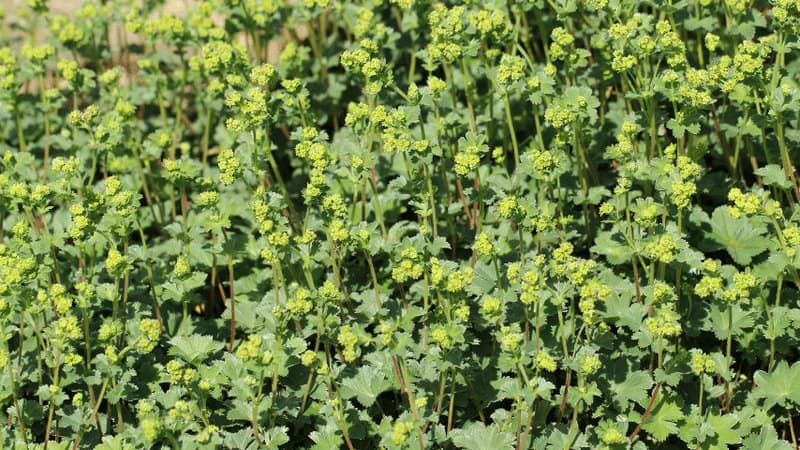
646, 413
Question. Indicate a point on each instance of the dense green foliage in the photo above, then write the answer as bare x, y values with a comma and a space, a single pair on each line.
406, 224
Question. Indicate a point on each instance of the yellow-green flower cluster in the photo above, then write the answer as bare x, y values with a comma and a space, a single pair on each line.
251, 350
81, 227
701, 363
409, 268
590, 293
365, 61
510, 338
469, 155
562, 41
662, 293
792, 236
436, 85
300, 303
329, 292
308, 358
278, 239
396, 136
207, 199
179, 374
338, 231
66, 328
530, 284
483, 245
151, 428
459, 279
441, 337
149, 330
362, 113
72, 359
66, 31
61, 301
558, 115
180, 414
743, 204
623, 62
168, 26
316, 154
349, 341
646, 212
251, 110
109, 330
612, 436
508, 207
219, 57
664, 323
739, 287
749, 59
492, 307
662, 248
541, 161
182, 267
206, 433
573, 268
682, 192
334, 205
401, 431
121, 200
543, 361
588, 363
116, 263
68, 167
200, 22
8, 70
264, 215
510, 70
230, 167
710, 283
261, 75
386, 331
38, 54
786, 12
14, 269
447, 31
461, 312
624, 149
490, 23
366, 23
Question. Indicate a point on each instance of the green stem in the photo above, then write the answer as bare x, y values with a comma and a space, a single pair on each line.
15, 399
772, 325
729, 345
23, 147
512, 133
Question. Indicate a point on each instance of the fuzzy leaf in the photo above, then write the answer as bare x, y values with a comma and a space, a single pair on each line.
738, 237
194, 348
663, 419
723, 426
365, 386
767, 437
477, 436
773, 175
615, 251
635, 388
779, 386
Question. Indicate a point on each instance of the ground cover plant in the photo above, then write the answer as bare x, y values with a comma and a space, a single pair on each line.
405, 224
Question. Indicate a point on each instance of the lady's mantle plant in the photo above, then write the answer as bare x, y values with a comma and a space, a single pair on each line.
402, 224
